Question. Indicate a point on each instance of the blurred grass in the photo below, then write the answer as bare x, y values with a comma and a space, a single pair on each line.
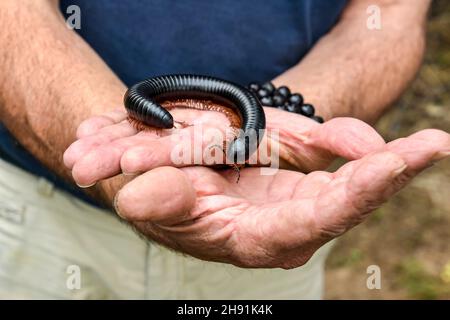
409, 237
419, 283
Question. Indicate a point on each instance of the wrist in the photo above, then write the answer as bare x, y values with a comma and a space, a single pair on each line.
282, 98
328, 104
320, 90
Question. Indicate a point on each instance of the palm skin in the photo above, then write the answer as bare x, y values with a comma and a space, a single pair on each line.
278, 220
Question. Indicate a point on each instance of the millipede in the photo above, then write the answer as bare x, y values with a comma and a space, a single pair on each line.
143, 102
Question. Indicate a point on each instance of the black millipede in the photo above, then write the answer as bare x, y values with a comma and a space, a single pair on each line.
141, 101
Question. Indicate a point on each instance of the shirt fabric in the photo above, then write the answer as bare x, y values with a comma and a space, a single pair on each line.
241, 41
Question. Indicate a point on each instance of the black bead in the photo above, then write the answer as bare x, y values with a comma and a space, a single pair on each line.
318, 119
262, 93
284, 91
296, 99
254, 86
291, 107
307, 110
267, 101
269, 87
282, 107
278, 100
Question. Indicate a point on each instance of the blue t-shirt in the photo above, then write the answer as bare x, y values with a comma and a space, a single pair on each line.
241, 41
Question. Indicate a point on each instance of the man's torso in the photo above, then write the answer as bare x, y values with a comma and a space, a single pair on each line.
241, 41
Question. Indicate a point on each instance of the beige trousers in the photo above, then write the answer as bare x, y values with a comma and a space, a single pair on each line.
54, 246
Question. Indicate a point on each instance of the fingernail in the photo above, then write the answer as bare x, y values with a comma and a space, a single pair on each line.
116, 206
86, 186
440, 155
399, 170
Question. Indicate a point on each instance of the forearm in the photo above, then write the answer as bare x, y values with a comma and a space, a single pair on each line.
354, 71
50, 80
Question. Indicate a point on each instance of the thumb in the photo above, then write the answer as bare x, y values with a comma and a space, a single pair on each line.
346, 137
164, 196
357, 189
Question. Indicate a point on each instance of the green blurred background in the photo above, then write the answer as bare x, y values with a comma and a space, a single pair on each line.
409, 237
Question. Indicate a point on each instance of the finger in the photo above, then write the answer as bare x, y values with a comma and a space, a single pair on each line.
421, 149
143, 158
340, 204
94, 124
103, 161
107, 134
186, 147
345, 137
164, 195
346, 200
141, 152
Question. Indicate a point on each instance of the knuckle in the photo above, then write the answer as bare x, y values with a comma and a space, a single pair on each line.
135, 159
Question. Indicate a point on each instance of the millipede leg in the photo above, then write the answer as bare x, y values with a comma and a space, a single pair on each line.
234, 166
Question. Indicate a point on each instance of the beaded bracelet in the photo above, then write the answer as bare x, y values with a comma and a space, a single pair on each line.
282, 98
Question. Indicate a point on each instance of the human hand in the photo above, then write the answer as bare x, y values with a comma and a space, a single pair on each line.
279, 220
270, 221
